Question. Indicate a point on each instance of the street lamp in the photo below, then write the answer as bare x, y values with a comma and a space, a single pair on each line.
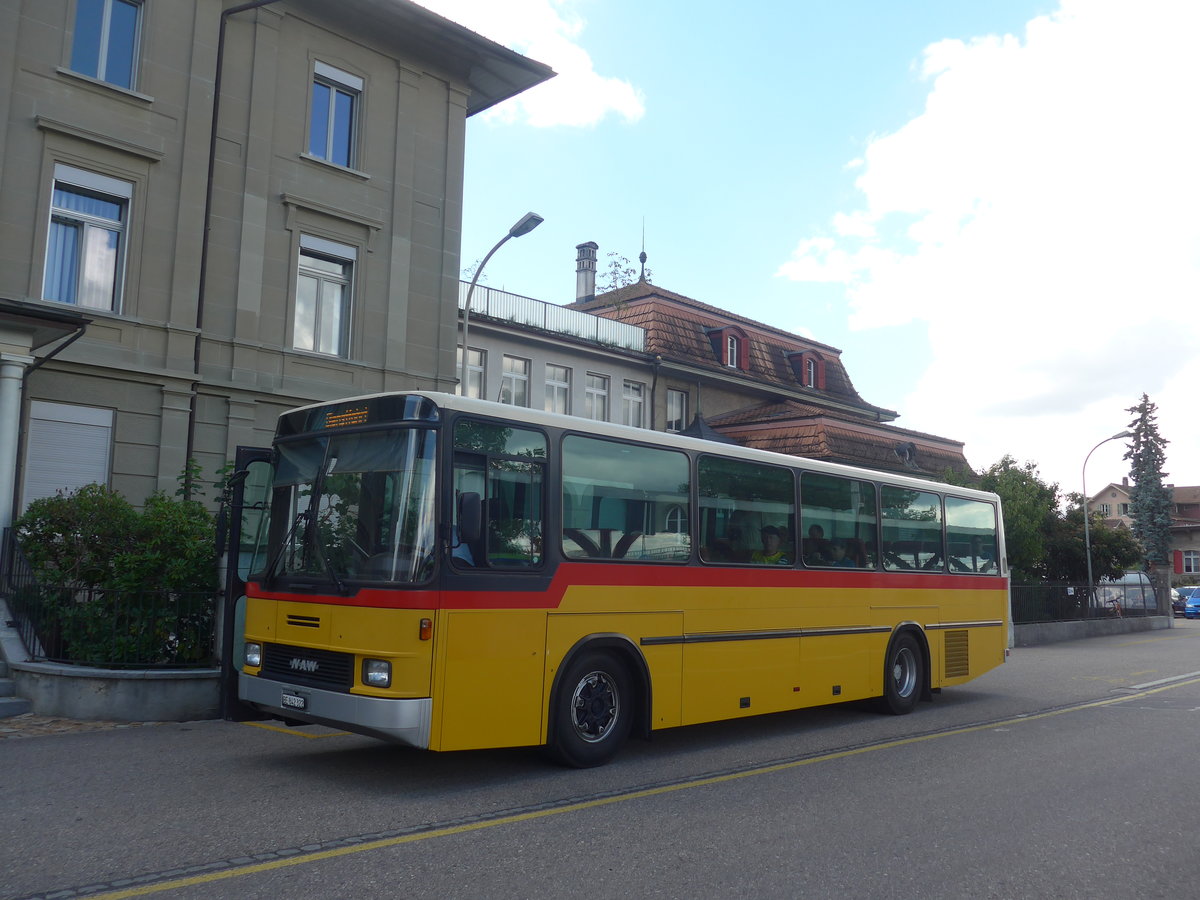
1087, 534
524, 225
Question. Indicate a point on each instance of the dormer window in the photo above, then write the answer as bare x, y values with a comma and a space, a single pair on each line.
731, 347
809, 369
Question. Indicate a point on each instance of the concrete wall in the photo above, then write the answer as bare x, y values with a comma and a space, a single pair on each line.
1056, 632
108, 695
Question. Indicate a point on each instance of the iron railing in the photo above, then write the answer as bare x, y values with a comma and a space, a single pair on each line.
105, 628
1070, 602
520, 310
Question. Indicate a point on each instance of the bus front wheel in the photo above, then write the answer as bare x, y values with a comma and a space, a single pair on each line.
593, 711
903, 675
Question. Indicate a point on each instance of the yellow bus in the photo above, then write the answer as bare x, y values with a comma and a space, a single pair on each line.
457, 574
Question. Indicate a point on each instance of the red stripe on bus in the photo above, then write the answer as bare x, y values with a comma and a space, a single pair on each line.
632, 575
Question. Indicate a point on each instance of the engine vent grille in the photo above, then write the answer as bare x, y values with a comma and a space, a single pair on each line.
958, 654
304, 621
306, 665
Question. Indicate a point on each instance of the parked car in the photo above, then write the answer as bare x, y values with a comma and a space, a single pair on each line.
1178, 602
1191, 608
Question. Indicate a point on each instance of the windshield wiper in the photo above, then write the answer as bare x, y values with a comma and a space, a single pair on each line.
272, 568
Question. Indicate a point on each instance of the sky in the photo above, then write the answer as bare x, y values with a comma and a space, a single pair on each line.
990, 207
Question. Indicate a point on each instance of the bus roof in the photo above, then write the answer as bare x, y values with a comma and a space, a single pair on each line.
594, 428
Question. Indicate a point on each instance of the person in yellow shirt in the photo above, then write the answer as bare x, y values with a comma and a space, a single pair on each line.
772, 552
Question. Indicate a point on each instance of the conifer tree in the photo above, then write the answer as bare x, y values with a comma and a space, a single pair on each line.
1150, 500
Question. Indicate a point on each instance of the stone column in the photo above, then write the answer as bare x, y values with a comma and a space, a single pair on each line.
12, 370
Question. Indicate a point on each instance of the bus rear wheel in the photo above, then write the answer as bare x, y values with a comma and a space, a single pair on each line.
593, 710
903, 675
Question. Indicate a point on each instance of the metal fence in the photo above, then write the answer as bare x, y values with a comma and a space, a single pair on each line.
1071, 602
520, 310
144, 629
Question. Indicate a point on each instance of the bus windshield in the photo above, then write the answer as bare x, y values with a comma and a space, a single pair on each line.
356, 507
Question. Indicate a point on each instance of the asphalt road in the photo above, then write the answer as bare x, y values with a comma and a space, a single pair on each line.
1065, 773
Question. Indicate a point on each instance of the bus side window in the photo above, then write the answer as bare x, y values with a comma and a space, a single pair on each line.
912, 530
514, 513
742, 506
971, 536
840, 521
506, 467
624, 501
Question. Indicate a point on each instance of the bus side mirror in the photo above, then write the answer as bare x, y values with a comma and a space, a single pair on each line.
470, 517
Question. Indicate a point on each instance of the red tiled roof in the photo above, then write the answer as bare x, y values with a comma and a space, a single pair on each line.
677, 329
824, 440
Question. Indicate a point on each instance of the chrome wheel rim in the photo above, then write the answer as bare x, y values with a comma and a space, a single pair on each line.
595, 706
904, 672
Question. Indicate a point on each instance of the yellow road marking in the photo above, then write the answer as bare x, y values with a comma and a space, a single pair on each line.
383, 843
293, 732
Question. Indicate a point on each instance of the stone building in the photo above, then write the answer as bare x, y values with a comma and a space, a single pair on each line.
652, 358
212, 213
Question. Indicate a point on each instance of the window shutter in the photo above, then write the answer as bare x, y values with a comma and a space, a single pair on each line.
68, 447
1178, 560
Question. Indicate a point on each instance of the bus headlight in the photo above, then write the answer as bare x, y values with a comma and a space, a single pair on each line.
377, 673
253, 655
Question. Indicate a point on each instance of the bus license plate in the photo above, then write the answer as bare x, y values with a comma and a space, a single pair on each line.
295, 701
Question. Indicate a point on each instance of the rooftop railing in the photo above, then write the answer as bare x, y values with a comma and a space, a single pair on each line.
506, 307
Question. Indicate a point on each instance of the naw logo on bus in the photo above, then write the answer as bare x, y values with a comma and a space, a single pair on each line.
302, 665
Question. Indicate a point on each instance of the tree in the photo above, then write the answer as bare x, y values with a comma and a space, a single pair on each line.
1149, 501
1042, 542
1029, 506
620, 273
1114, 550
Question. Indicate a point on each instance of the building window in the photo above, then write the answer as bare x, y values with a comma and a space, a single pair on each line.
1104, 509
809, 369
323, 290
86, 246
677, 403
334, 120
558, 389
514, 389
731, 351
105, 46
474, 373
1122, 509
1191, 562
633, 404
595, 397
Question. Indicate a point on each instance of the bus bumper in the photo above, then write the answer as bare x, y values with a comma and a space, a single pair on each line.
400, 721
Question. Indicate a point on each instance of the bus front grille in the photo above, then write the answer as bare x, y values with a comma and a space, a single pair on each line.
305, 665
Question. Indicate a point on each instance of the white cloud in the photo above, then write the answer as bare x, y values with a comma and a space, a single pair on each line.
548, 31
1039, 218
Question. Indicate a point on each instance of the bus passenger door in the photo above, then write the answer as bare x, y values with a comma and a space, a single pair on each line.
241, 526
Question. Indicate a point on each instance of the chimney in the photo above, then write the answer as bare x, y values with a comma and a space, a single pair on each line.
1125, 482
585, 272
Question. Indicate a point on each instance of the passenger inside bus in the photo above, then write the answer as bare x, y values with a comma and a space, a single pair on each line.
772, 552
839, 557
816, 548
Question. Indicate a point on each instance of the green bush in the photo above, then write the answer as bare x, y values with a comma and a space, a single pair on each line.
119, 585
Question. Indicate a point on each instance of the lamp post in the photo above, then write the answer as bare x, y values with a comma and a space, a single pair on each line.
524, 225
1087, 534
